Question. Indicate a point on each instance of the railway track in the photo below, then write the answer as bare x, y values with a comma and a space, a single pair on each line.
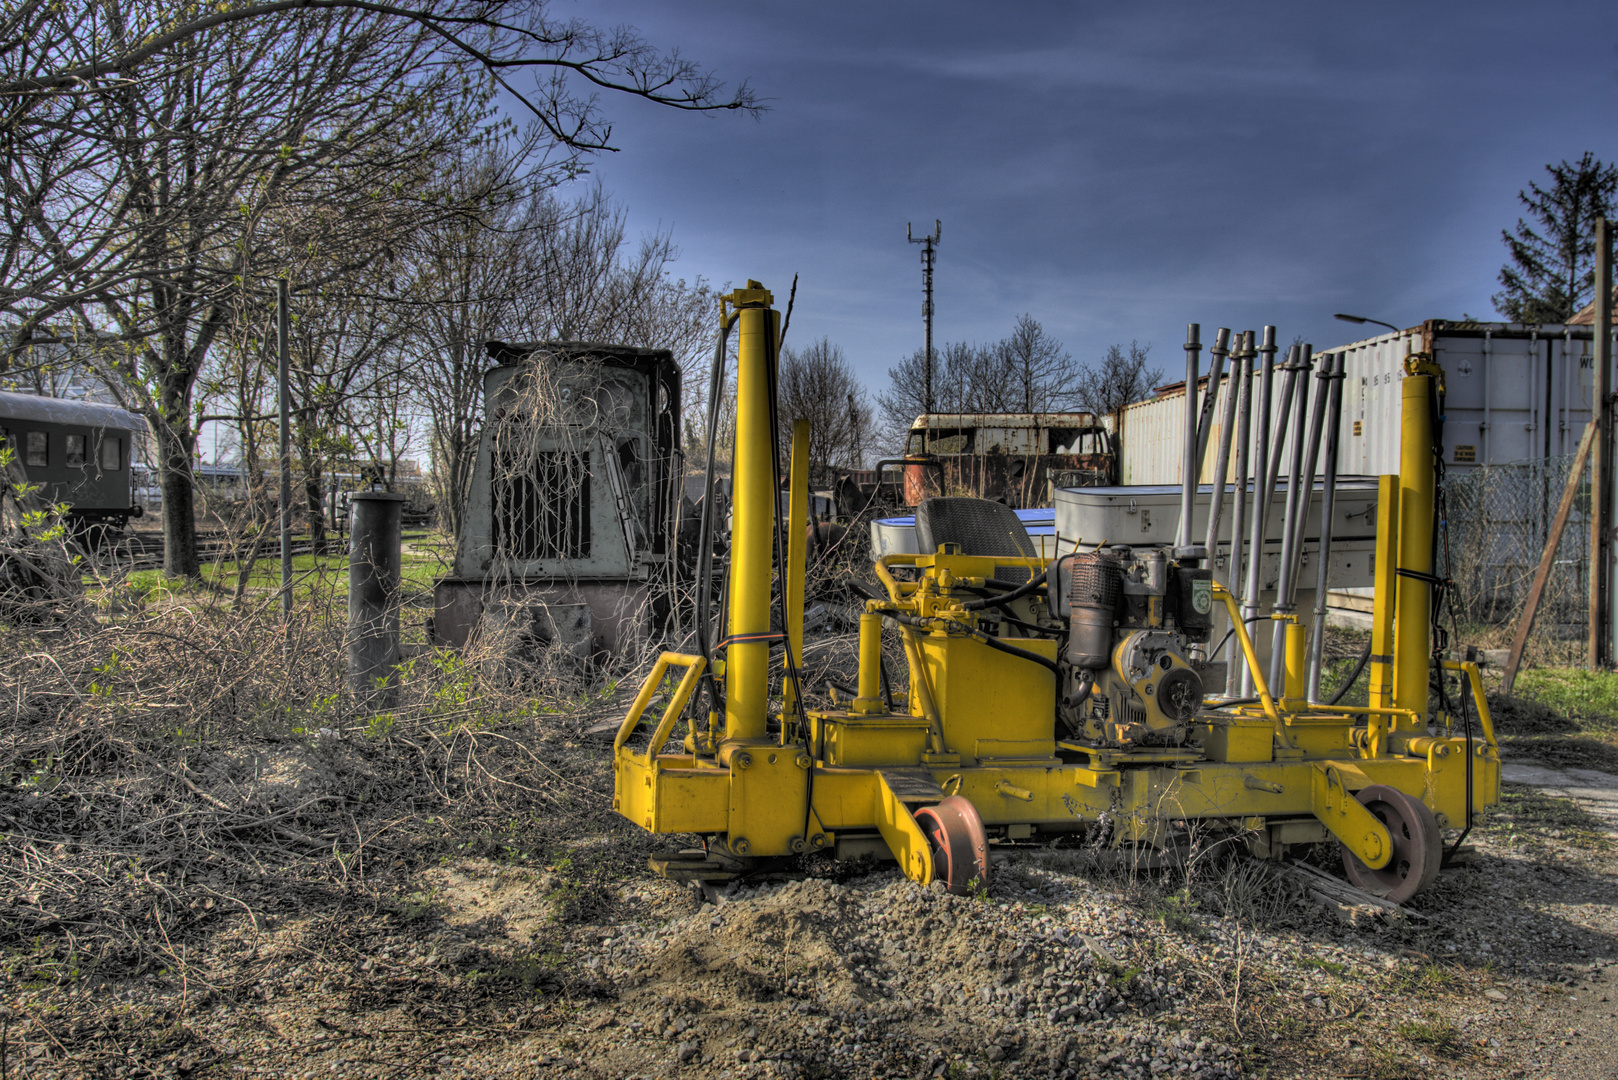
144, 550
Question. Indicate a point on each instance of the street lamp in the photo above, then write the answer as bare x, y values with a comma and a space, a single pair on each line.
1361, 319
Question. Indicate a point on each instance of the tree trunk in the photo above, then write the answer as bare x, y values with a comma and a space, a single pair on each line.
314, 496
179, 509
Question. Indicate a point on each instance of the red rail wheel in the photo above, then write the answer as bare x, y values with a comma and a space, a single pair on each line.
1418, 846
960, 845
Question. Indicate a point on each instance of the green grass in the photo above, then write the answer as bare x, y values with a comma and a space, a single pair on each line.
1562, 717
1589, 698
311, 574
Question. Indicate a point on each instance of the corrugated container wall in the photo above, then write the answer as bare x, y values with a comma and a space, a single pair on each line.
1513, 393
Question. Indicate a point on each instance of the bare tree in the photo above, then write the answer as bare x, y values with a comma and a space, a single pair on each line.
528, 268
1028, 371
817, 384
158, 168
1122, 378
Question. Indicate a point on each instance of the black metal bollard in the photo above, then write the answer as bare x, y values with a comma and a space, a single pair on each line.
373, 597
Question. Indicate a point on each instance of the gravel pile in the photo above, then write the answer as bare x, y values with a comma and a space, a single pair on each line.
882, 976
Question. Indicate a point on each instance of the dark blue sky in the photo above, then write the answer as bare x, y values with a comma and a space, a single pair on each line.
1116, 170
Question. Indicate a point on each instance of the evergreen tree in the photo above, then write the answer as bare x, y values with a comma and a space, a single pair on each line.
1551, 274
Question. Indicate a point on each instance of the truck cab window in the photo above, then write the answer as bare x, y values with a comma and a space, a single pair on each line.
112, 454
76, 449
37, 454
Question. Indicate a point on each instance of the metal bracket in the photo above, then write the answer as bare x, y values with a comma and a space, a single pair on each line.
1346, 817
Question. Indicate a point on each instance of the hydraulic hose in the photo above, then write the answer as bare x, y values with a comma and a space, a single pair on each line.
1359, 666
716, 382
1025, 589
992, 642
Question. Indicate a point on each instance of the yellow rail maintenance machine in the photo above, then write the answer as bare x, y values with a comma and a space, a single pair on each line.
1049, 696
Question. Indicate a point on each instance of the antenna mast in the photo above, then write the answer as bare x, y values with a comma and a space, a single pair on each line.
929, 246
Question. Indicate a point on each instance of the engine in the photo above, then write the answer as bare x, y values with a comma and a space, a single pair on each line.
1129, 667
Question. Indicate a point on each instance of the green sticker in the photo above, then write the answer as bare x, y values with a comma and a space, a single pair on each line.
1202, 595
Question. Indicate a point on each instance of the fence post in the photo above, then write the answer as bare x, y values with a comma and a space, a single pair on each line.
373, 598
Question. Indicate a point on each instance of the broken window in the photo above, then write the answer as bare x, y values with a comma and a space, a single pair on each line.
542, 511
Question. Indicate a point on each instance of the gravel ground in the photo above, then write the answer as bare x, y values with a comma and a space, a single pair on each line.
470, 966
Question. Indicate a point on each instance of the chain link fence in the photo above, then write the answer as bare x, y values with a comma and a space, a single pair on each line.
1499, 519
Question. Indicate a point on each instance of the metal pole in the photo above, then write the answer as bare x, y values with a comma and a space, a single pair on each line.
1227, 416
1306, 495
283, 333
373, 598
1243, 372
1216, 372
1328, 508
1188, 456
1601, 635
1295, 483
1261, 469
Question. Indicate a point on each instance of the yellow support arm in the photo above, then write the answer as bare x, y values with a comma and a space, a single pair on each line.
797, 556
694, 666
1347, 818
1248, 652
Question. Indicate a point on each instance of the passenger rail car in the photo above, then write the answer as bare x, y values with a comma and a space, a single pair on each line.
77, 453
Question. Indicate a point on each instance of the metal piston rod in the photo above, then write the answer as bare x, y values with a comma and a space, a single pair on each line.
1243, 362
1328, 508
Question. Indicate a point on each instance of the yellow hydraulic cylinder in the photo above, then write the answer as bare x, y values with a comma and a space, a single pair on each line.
1412, 634
1386, 580
870, 685
797, 554
1297, 662
752, 531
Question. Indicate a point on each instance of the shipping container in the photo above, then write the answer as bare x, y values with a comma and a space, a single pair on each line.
1513, 393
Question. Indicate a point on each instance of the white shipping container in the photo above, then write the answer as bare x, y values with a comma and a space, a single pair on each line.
1513, 393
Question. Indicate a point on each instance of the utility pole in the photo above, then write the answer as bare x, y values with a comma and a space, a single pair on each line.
929, 246
283, 331
1601, 458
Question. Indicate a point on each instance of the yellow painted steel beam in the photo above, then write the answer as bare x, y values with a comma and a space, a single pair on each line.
747, 662
797, 556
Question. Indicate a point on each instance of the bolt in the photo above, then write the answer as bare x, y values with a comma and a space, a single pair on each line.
819, 839
797, 845
802, 761
740, 845
743, 760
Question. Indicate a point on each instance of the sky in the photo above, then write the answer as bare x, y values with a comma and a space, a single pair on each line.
1115, 170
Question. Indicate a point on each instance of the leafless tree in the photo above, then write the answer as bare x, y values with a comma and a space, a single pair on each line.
1121, 378
531, 268
817, 384
158, 168
1028, 371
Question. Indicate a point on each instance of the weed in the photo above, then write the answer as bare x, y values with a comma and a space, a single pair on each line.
1330, 967
416, 908
1433, 1032
1175, 912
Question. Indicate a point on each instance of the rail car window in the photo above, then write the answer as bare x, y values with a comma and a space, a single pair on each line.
112, 454
76, 449
542, 511
37, 453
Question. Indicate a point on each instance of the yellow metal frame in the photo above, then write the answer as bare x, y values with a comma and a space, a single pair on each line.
980, 723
